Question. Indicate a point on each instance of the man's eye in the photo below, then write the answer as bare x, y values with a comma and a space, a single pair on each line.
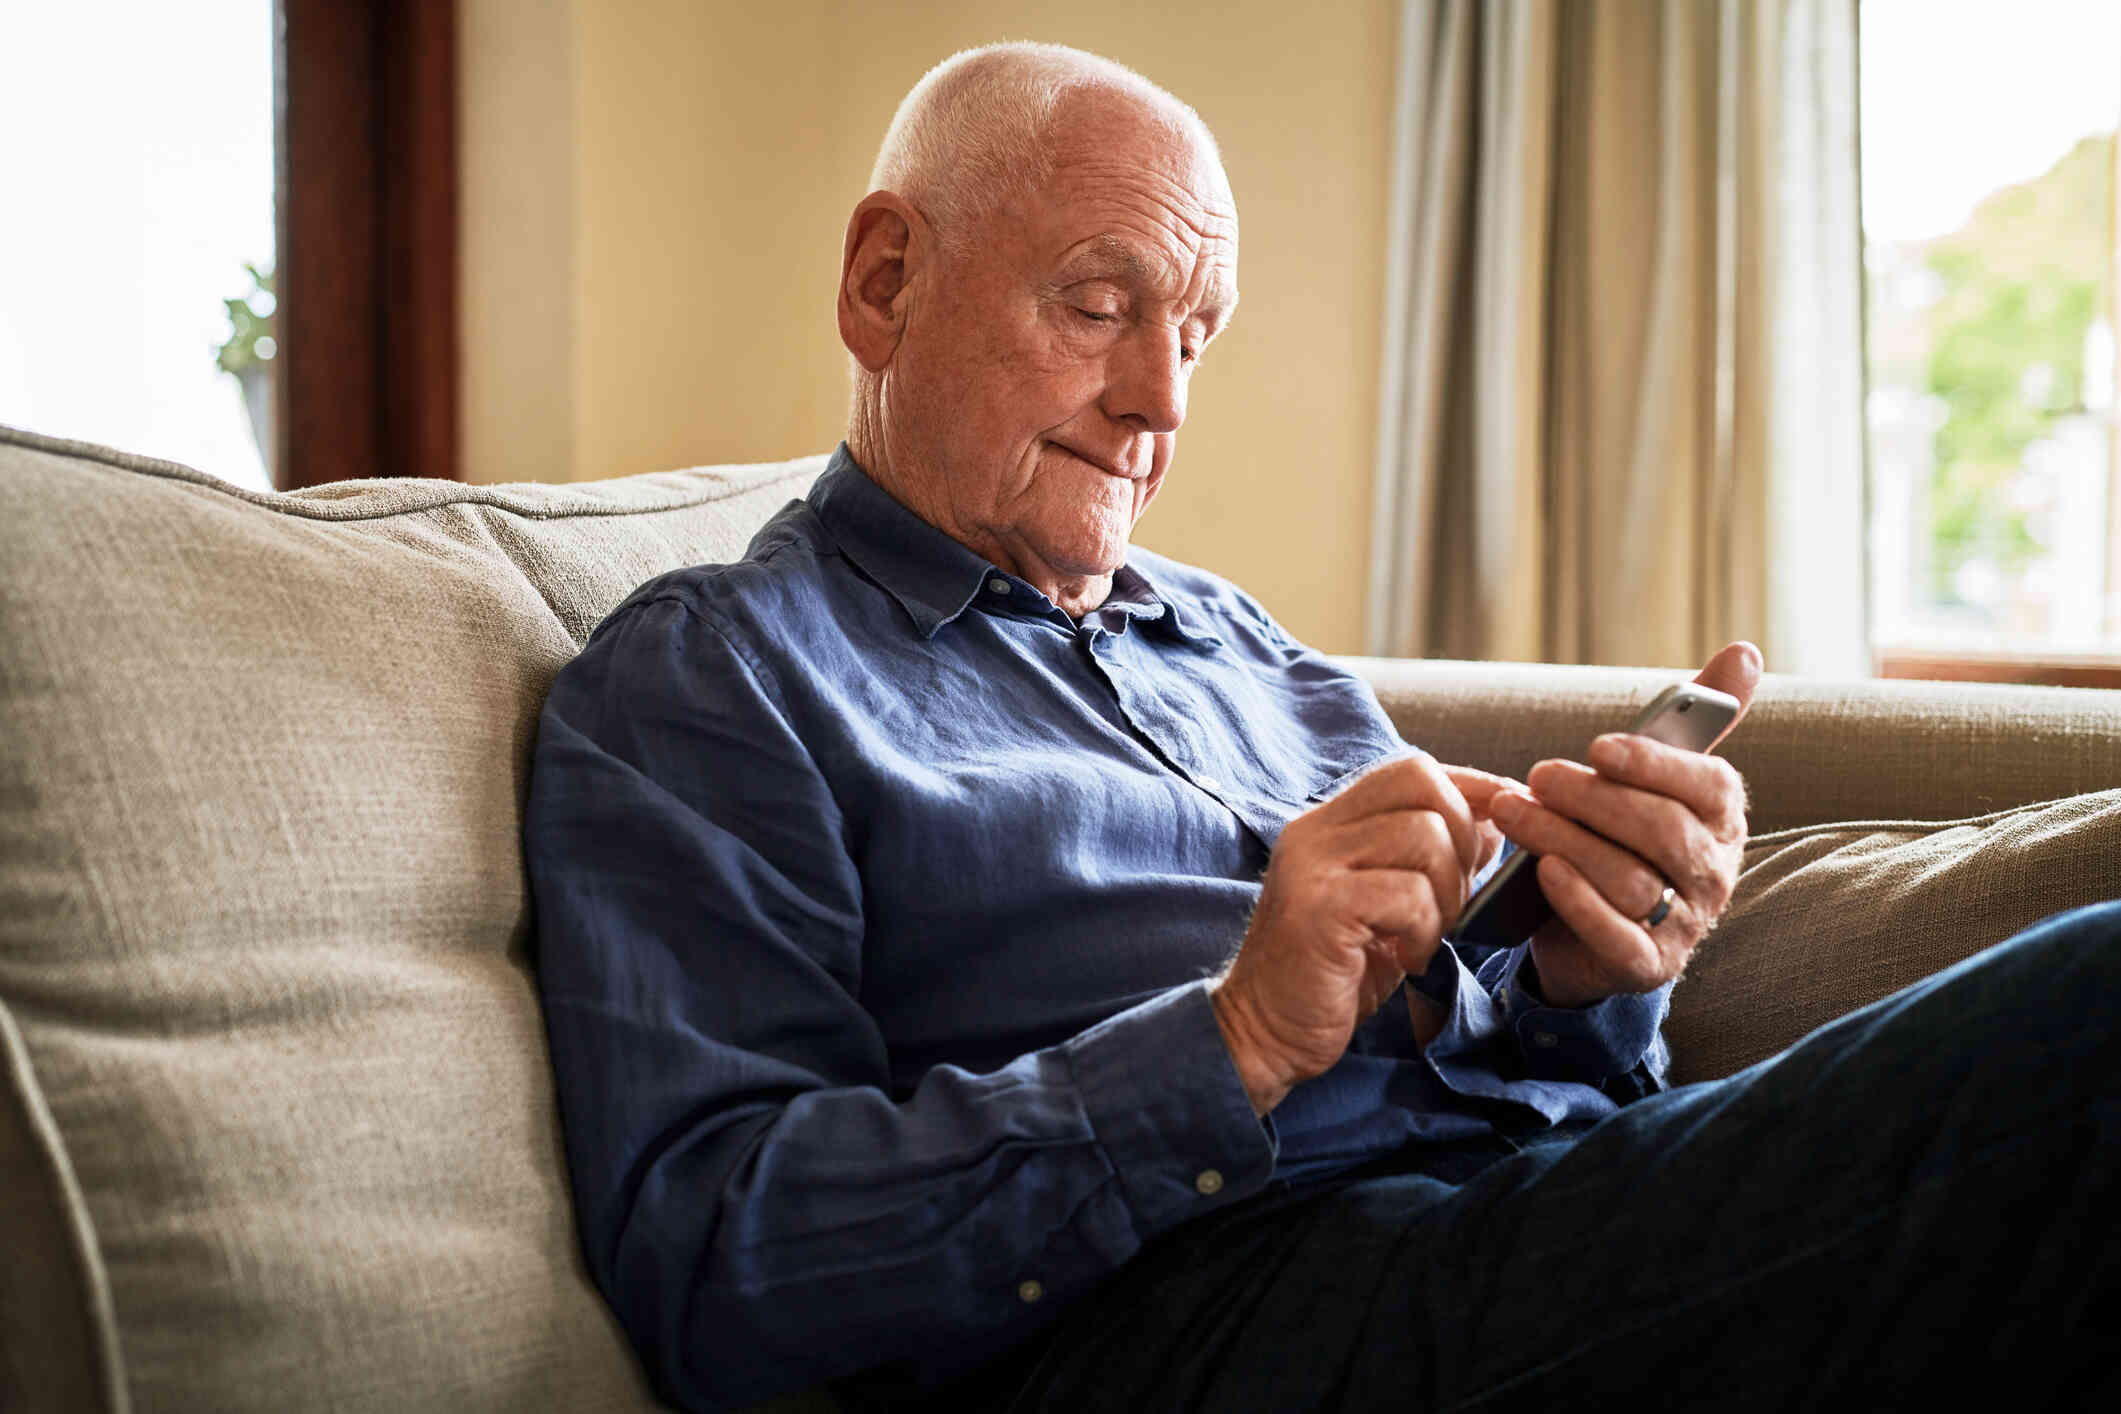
1097, 316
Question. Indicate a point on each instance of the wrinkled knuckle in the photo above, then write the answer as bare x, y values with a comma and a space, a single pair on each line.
1402, 834
1721, 899
1422, 907
1731, 786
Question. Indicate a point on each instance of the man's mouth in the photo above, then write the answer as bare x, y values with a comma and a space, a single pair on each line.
1101, 465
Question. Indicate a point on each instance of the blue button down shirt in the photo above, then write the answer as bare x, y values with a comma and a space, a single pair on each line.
876, 900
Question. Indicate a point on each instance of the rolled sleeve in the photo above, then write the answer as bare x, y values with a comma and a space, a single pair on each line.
1592, 1045
1502, 1042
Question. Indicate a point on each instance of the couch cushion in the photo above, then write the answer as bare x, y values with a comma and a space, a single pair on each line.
1828, 918
277, 1102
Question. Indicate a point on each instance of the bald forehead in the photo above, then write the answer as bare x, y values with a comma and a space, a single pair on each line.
980, 128
1099, 114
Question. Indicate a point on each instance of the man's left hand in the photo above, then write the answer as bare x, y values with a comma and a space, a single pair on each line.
1614, 833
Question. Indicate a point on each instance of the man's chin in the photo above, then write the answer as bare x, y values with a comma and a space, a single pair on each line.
1099, 561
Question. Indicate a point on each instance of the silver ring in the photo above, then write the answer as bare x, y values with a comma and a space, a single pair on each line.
1664, 906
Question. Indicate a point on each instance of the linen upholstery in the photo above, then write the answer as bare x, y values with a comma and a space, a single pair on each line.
1828, 918
276, 1121
263, 929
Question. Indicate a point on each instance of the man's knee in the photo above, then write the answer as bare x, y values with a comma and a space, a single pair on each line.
2069, 951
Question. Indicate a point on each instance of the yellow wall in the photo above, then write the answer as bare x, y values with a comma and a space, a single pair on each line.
655, 192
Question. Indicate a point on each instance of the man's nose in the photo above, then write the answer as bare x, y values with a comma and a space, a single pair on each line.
1145, 381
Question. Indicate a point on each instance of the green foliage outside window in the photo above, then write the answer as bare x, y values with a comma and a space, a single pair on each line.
251, 341
2022, 282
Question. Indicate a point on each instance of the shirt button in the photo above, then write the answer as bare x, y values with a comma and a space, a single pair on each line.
997, 586
1545, 1039
1029, 1291
1209, 1183
1210, 783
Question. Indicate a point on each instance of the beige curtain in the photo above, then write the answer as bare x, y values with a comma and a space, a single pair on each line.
1621, 412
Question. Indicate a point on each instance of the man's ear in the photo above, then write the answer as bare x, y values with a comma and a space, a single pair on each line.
883, 253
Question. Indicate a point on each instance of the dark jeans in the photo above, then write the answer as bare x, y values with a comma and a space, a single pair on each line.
1911, 1208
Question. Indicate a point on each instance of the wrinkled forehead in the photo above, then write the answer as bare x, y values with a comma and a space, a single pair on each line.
1139, 191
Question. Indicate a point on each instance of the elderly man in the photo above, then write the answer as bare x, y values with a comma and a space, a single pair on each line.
949, 913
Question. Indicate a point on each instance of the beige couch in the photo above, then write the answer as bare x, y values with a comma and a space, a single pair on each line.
276, 1122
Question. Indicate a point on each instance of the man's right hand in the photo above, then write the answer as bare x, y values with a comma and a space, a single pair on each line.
1356, 896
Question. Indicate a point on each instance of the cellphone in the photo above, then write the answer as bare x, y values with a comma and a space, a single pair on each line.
1510, 906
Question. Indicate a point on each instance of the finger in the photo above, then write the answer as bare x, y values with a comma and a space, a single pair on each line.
1624, 956
1430, 853
1736, 670
1382, 974
1664, 833
1397, 906
1419, 840
1708, 785
1619, 874
1415, 782
1479, 787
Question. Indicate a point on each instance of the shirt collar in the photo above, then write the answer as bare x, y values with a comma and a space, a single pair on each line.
933, 577
1136, 599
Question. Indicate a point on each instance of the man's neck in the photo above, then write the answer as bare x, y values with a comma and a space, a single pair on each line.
1074, 595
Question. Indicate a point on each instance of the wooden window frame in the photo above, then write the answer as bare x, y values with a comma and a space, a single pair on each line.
2053, 670
366, 170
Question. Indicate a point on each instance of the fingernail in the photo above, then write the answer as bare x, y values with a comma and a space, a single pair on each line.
1505, 806
1610, 752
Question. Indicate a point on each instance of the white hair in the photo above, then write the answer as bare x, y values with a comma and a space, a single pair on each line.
977, 131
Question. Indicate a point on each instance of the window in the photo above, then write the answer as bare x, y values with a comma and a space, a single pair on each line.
1988, 170
141, 182
261, 285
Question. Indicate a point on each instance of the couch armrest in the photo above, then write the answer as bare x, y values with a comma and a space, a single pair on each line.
1811, 750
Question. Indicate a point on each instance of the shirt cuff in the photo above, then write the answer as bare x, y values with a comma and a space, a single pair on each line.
1169, 1110
1590, 1044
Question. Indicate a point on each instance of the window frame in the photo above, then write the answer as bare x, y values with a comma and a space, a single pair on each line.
365, 157
2051, 667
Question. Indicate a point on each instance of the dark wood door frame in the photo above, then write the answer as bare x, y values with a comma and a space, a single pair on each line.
365, 98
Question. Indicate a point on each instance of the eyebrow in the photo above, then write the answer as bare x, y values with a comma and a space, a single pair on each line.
1109, 255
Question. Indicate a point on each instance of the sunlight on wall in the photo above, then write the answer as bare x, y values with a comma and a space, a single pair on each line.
655, 195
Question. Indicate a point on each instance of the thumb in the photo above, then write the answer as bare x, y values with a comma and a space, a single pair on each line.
1735, 670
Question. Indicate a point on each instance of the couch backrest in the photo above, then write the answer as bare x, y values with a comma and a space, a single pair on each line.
276, 1121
